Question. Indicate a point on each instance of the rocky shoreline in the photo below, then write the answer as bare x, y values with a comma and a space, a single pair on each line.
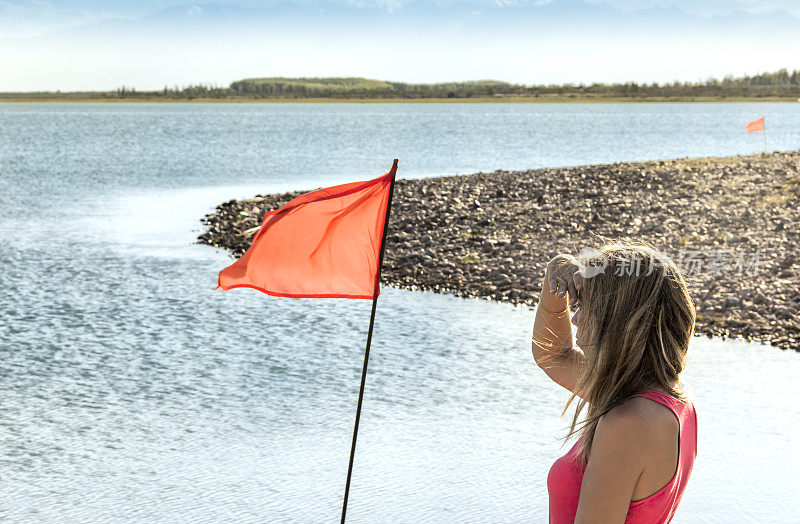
732, 224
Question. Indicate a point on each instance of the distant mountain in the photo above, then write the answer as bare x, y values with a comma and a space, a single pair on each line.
420, 41
463, 19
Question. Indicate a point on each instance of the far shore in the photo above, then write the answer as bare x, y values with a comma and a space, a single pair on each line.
732, 224
465, 100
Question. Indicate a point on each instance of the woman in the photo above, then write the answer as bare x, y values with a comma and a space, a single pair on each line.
638, 440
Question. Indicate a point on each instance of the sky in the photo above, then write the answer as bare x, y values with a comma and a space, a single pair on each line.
69, 45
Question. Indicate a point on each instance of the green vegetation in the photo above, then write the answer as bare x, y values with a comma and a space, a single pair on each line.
781, 85
469, 259
364, 88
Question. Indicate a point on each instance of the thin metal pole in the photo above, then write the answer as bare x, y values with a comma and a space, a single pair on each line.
765, 135
369, 342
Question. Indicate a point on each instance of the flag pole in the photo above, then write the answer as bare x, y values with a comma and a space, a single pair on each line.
375, 291
765, 135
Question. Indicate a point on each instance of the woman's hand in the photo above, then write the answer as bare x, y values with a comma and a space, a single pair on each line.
563, 274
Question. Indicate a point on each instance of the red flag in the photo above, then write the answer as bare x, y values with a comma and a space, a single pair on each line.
755, 125
324, 244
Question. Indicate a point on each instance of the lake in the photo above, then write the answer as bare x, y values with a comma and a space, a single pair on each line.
132, 390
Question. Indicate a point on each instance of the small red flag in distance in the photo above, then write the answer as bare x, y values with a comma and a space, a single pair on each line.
755, 125
323, 244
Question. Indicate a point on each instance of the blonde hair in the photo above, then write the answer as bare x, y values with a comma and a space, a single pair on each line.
638, 321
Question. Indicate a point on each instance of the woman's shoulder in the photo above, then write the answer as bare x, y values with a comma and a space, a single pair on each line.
648, 410
640, 421
628, 434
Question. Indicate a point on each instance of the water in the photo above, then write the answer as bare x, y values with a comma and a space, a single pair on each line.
131, 390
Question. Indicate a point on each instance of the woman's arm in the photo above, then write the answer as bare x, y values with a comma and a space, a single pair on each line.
551, 343
616, 461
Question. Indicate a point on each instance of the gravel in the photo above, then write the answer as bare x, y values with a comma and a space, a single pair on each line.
732, 224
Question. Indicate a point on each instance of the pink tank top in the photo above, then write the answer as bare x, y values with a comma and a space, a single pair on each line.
564, 479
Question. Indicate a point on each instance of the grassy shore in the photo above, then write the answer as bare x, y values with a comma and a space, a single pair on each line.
470, 100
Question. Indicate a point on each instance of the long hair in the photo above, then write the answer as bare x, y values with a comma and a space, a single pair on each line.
638, 321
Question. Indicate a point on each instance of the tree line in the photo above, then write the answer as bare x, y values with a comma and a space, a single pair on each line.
782, 83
